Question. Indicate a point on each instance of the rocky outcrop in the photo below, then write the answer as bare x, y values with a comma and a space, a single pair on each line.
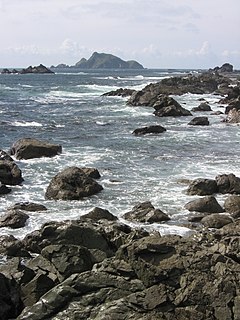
28, 148
199, 121
145, 212
207, 204
226, 67
228, 183
216, 220
233, 116
202, 187
72, 184
172, 111
119, 92
149, 130
98, 214
41, 69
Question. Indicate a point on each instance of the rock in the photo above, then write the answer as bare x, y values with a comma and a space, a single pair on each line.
119, 92
202, 187
14, 219
199, 121
228, 183
206, 204
99, 214
72, 184
172, 111
226, 67
233, 104
106, 61
91, 172
12, 247
5, 156
150, 129
216, 220
10, 174
232, 204
36, 69
28, 206
233, 116
164, 101
145, 212
10, 302
202, 107
4, 189
28, 148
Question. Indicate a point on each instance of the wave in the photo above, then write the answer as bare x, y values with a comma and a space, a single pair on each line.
26, 124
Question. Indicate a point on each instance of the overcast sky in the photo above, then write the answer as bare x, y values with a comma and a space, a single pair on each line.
156, 33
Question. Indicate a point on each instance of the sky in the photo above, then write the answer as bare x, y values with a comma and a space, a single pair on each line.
157, 33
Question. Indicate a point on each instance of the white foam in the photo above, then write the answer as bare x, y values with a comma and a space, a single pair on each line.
26, 124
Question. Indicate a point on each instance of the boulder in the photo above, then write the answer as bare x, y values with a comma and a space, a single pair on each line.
228, 183
12, 247
120, 92
199, 121
216, 220
10, 174
206, 204
233, 104
14, 219
4, 189
145, 212
164, 101
91, 172
204, 106
233, 116
202, 187
99, 214
72, 184
28, 206
5, 156
148, 130
226, 67
232, 204
28, 148
172, 111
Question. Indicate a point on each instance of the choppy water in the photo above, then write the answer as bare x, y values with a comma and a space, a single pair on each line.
68, 109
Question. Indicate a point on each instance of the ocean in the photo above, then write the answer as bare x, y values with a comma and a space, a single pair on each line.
68, 108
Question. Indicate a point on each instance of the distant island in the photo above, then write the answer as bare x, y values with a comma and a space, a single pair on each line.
102, 61
36, 69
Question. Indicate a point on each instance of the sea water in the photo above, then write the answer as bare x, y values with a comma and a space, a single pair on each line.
68, 108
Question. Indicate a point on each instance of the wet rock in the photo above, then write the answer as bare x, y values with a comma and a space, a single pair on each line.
72, 184
4, 189
28, 206
150, 129
233, 116
226, 67
202, 187
172, 111
10, 174
99, 214
164, 101
145, 212
206, 204
228, 183
120, 92
28, 148
216, 220
5, 156
92, 173
14, 219
232, 204
12, 247
202, 107
199, 121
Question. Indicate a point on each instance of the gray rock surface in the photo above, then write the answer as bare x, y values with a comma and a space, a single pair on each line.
205, 204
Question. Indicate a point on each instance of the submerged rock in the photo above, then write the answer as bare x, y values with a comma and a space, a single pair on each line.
72, 184
150, 129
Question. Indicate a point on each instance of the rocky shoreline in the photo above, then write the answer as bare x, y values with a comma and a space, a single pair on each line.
97, 267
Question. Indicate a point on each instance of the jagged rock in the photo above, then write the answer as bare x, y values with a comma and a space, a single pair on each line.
199, 121
4, 189
232, 204
164, 101
28, 206
202, 187
99, 214
72, 184
36, 69
202, 107
228, 183
145, 212
233, 104
226, 67
12, 247
147, 130
10, 174
216, 220
120, 92
233, 116
206, 204
13, 219
28, 148
172, 111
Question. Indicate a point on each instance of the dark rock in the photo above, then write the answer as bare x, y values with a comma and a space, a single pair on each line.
120, 92
10, 174
202, 107
28, 148
228, 183
233, 116
12, 247
151, 129
226, 67
164, 101
4, 189
92, 172
233, 104
10, 302
72, 184
14, 219
36, 69
5, 156
232, 204
28, 206
199, 121
106, 61
206, 204
172, 111
216, 220
145, 212
202, 187
99, 214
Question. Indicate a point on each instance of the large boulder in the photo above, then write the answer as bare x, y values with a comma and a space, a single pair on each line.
28, 148
232, 204
13, 219
10, 174
199, 121
202, 187
150, 129
72, 184
205, 204
99, 214
4, 189
216, 220
145, 212
204, 106
172, 111
28, 206
120, 92
228, 183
